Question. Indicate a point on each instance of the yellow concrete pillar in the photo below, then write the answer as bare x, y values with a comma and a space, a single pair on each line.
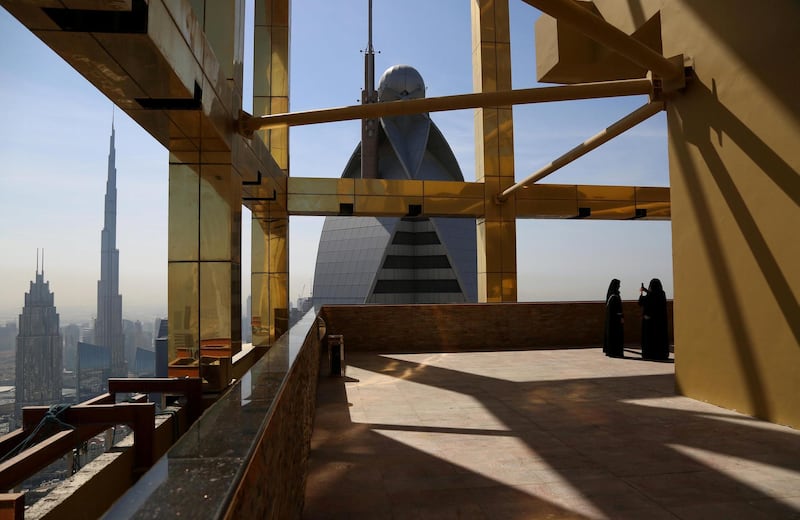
494, 150
270, 236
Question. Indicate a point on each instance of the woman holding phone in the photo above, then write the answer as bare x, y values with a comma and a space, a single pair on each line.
655, 336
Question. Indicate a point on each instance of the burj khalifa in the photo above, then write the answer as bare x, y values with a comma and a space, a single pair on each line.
108, 326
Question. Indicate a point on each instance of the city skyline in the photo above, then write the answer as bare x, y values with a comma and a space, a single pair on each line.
567, 260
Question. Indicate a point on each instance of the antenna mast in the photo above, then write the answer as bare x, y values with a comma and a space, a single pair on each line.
369, 63
369, 127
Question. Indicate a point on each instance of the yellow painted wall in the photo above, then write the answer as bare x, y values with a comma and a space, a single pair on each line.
734, 152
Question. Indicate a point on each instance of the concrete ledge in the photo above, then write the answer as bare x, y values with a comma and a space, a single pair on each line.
246, 455
482, 326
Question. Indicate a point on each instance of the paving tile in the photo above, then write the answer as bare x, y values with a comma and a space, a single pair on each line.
701, 487
738, 510
538, 434
787, 508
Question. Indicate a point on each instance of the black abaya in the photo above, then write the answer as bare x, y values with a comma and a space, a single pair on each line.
613, 338
655, 336
614, 335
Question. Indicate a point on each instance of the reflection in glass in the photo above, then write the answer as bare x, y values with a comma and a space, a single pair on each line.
183, 315
184, 207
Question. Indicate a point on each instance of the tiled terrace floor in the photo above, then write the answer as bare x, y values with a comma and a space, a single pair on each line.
538, 434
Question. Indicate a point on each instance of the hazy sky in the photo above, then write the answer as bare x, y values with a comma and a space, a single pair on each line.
54, 147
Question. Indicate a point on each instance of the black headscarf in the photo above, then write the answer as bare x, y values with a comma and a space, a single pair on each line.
613, 288
656, 290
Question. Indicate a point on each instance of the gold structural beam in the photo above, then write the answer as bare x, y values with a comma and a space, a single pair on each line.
249, 124
382, 197
606, 34
401, 198
562, 201
634, 118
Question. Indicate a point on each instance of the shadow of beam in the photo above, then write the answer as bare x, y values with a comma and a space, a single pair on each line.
762, 41
354, 471
614, 453
723, 121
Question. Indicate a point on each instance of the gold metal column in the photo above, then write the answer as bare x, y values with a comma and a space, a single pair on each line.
204, 273
205, 217
271, 72
270, 277
494, 151
270, 233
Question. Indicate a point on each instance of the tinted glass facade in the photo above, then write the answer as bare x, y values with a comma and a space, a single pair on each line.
394, 260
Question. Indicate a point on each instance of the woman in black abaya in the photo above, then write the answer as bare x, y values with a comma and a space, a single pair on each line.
655, 339
614, 334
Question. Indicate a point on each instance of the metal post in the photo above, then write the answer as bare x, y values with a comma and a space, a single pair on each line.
369, 126
632, 87
626, 123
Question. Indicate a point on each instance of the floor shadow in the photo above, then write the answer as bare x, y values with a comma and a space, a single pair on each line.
637, 13
606, 437
636, 355
356, 472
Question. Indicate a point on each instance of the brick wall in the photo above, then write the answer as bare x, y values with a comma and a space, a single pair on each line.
483, 326
273, 484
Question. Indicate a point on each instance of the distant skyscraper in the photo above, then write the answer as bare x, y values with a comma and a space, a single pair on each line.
135, 337
144, 362
247, 321
93, 370
71, 335
38, 356
108, 326
160, 343
8, 336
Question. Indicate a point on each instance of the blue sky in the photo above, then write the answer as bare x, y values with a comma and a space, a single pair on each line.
54, 146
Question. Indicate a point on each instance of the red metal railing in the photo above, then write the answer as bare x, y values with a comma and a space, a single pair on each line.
48, 433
